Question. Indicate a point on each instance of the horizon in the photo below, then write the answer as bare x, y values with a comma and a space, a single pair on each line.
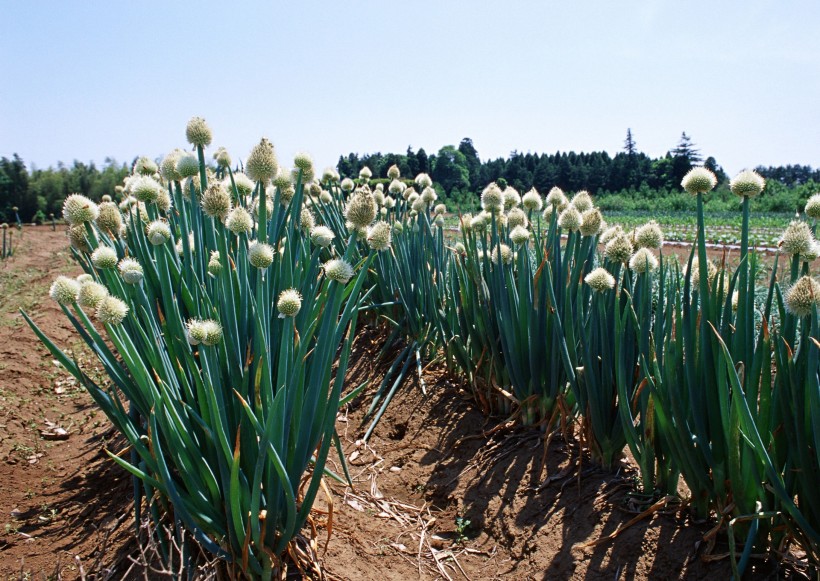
86, 83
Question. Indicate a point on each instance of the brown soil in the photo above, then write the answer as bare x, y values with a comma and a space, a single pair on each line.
440, 490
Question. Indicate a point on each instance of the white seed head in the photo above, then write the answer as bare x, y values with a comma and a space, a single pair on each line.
208, 332
144, 166
582, 201
643, 261
570, 219
379, 236
330, 175
91, 294
802, 296
591, 222
131, 271
423, 180
492, 198
64, 290
239, 221
321, 236
77, 209
649, 235
711, 272
610, 233
198, 133
109, 218
347, 185
306, 220
214, 264
600, 280
289, 303
216, 202
517, 217
556, 197
282, 180
699, 180
104, 257
187, 166
519, 235
260, 254
304, 163
244, 184
532, 201
361, 209
512, 199
339, 270
84, 278
168, 166
396, 187
813, 207
326, 197
365, 173
429, 195
393, 172
747, 183
440, 209
111, 310
261, 165
145, 189
159, 232
505, 252
618, 249
797, 239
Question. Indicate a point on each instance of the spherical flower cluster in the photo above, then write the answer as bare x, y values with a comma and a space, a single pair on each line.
77, 209
649, 235
208, 332
532, 201
423, 180
222, 157
699, 180
181, 250
216, 202
76, 235
517, 217
268, 207
304, 163
618, 249
163, 200
393, 172
282, 181
570, 219
379, 236
802, 296
361, 209
321, 236
289, 303
198, 133
440, 209
600, 280
261, 164
347, 185
306, 220
519, 235
330, 175
591, 222
643, 261
365, 173
131, 271
159, 232
556, 197
260, 254
244, 184
504, 251
104, 257
84, 278
168, 166
747, 183
459, 248
109, 218
239, 221
797, 239
429, 195
214, 264
145, 166
339, 270
326, 197
187, 166
91, 294
711, 272
64, 290
145, 189
582, 201
512, 199
111, 311
813, 207
492, 198
610, 233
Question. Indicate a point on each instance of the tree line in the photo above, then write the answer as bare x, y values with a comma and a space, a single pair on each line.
628, 180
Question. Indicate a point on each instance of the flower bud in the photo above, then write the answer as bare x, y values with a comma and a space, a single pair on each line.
131, 271
208, 332
304, 163
289, 303
159, 232
813, 207
261, 165
111, 311
214, 265
260, 254
198, 133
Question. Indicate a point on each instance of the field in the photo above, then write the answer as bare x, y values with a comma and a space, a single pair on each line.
315, 378
438, 487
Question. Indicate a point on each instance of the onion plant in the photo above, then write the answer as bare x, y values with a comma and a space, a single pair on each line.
222, 375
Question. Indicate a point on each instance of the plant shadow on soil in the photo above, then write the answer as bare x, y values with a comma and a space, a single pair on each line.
530, 503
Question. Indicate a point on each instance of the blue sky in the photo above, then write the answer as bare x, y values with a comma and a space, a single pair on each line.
89, 79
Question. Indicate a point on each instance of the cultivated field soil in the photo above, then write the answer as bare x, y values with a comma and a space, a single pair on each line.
441, 491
